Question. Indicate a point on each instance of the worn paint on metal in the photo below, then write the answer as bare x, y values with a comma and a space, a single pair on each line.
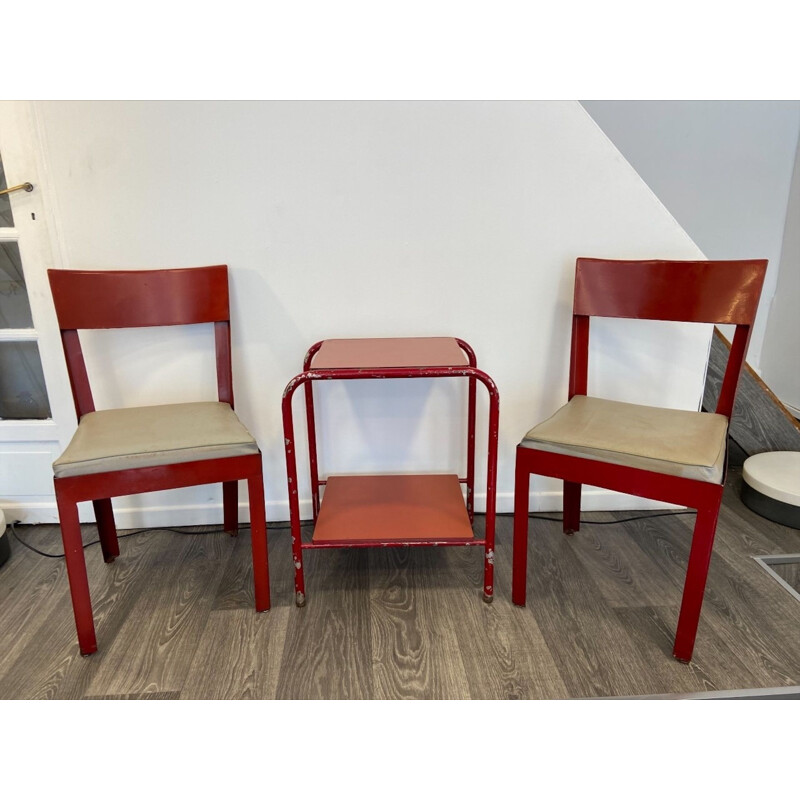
474, 375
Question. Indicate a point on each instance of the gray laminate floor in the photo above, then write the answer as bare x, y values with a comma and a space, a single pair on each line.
175, 621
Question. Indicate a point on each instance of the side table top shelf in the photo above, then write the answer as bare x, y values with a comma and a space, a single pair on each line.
409, 353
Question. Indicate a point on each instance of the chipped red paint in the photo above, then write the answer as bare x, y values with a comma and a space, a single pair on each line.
473, 374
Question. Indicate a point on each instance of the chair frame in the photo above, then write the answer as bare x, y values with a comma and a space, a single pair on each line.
722, 292
89, 300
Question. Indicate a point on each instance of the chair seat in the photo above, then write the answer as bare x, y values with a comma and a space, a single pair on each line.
150, 436
689, 444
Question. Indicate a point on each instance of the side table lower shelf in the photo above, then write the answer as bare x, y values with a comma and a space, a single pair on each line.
374, 510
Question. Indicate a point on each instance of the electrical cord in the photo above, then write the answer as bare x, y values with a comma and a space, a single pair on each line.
136, 532
280, 525
609, 521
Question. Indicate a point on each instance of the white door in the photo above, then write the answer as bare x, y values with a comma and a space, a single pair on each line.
36, 412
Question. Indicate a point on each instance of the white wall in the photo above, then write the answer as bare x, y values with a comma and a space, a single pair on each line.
780, 360
722, 169
343, 219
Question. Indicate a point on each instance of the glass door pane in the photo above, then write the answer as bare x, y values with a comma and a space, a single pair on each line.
23, 394
15, 310
22, 391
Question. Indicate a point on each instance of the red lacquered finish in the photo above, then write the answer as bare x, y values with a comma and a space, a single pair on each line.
312, 432
722, 292
440, 521
414, 353
687, 291
139, 298
392, 508
471, 400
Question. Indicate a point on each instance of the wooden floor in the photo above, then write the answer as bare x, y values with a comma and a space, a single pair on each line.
175, 617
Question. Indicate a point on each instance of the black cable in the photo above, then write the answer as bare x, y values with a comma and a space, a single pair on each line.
611, 521
141, 530
281, 525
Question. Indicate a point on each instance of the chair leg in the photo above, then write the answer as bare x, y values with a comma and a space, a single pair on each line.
106, 529
572, 507
705, 527
258, 540
76, 574
230, 507
519, 569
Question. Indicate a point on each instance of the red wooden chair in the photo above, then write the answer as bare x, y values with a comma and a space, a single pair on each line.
663, 454
131, 450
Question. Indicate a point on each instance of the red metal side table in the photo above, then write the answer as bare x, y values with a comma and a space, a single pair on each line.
391, 510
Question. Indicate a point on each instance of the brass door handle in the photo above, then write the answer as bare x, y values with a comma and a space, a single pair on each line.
28, 187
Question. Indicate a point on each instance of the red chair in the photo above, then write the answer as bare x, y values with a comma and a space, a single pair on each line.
132, 450
663, 454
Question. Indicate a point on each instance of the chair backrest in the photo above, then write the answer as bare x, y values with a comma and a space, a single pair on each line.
94, 299
720, 292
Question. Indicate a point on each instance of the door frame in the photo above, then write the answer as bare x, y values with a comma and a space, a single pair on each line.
28, 447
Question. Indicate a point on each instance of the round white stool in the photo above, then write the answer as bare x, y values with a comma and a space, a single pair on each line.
771, 486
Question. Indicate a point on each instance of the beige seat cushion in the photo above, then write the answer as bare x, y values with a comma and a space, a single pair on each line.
689, 444
127, 438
